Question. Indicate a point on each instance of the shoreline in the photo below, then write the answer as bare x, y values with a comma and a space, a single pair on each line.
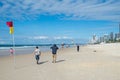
44, 49
27, 49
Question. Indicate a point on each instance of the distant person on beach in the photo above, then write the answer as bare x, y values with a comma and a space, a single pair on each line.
77, 48
54, 52
37, 54
62, 45
11, 51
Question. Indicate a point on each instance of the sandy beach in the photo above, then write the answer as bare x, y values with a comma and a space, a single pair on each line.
92, 62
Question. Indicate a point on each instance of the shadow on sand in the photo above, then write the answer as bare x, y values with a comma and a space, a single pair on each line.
59, 61
27, 65
42, 62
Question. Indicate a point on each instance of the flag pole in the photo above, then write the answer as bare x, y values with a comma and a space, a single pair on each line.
10, 25
13, 39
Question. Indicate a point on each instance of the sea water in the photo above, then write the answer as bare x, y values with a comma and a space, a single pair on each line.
25, 49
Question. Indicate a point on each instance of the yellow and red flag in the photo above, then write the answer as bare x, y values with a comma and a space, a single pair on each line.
10, 25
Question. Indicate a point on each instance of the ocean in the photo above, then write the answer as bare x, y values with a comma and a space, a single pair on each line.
26, 48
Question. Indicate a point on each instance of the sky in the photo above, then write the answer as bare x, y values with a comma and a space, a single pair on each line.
57, 21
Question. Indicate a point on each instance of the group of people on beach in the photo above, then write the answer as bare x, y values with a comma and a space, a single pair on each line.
37, 53
54, 48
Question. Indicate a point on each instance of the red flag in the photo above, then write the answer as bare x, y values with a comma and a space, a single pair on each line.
10, 25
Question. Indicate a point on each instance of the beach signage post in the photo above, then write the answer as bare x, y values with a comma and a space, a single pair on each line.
10, 25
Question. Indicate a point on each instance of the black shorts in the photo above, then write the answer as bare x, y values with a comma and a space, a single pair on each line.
37, 57
53, 53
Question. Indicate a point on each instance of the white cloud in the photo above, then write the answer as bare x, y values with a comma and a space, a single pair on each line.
2, 42
72, 9
63, 37
39, 37
57, 38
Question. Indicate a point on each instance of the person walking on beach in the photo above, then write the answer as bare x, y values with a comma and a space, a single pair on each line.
37, 54
54, 52
11, 51
77, 48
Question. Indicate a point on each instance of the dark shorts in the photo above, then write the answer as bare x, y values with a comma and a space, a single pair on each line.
53, 53
37, 57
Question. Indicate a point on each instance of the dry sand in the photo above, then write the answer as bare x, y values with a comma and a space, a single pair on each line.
92, 62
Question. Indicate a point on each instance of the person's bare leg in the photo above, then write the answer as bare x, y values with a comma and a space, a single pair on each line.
55, 57
37, 61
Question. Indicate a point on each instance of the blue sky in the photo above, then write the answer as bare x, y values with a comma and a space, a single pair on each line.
57, 21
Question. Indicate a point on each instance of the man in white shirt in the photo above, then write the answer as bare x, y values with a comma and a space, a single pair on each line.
37, 54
